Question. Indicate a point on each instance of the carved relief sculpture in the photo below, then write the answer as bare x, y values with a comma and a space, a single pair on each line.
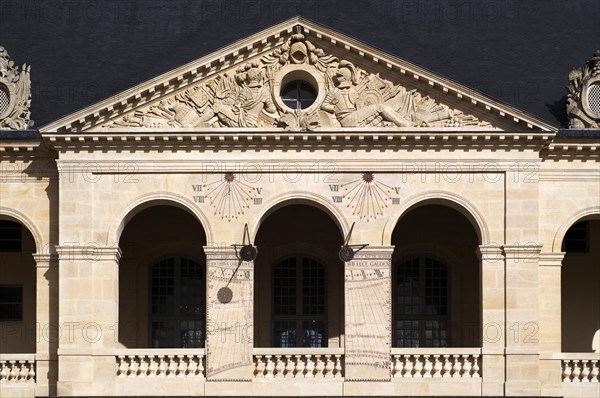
583, 98
15, 94
249, 97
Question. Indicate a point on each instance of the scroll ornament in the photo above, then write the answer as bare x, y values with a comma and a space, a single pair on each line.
15, 94
247, 98
583, 95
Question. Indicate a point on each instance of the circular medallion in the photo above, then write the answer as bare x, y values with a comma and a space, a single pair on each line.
248, 253
224, 295
346, 254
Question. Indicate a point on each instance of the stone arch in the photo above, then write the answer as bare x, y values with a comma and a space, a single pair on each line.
154, 199
559, 236
304, 198
456, 202
28, 223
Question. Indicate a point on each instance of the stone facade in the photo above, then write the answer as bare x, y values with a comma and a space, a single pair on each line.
376, 155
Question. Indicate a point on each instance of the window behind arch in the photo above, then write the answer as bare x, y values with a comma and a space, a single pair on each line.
177, 303
421, 305
299, 303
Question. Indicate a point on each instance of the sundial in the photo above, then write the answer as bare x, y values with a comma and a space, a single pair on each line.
229, 196
245, 252
347, 251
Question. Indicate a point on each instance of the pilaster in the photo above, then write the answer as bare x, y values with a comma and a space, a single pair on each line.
493, 318
522, 319
88, 316
550, 268
47, 323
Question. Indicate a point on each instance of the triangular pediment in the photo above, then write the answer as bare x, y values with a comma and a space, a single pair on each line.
298, 76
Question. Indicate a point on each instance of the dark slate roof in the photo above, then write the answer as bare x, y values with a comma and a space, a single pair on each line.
83, 51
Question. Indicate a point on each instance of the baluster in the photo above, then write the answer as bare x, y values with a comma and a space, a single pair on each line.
153, 369
289, 367
162, 366
437, 366
320, 367
300, 366
418, 366
409, 366
328, 367
172, 368
279, 366
143, 369
21, 371
133, 366
31, 370
192, 367
428, 366
182, 369
576, 372
270, 368
398, 366
567, 371
12, 376
338, 366
447, 368
456, 366
201, 366
585, 372
310, 366
595, 371
476, 374
3, 370
259, 366
466, 366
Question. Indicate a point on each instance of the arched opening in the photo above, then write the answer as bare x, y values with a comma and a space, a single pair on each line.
162, 280
580, 287
435, 280
18, 327
298, 292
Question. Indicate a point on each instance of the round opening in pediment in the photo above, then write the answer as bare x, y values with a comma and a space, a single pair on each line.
4, 99
298, 94
298, 88
593, 99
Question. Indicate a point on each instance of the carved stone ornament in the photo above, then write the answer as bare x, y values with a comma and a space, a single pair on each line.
297, 86
15, 94
583, 98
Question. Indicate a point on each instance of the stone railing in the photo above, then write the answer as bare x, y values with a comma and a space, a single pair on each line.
138, 363
17, 368
436, 363
580, 367
299, 363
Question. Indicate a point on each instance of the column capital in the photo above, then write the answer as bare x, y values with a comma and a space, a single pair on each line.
489, 252
551, 259
374, 253
45, 260
220, 252
529, 250
89, 252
